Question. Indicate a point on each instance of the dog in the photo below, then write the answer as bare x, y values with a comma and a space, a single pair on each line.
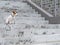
11, 19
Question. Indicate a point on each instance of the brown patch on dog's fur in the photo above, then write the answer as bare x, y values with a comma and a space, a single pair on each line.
14, 12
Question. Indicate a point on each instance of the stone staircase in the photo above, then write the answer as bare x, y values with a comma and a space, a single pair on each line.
30, 27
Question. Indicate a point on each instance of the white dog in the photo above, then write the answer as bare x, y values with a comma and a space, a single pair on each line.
11, 19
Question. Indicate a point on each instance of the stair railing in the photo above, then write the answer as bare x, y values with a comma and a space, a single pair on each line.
30, 1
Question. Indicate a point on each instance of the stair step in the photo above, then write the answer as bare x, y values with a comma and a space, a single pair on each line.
45, 31
32, 22
32, 18
46, 38
29, 14
39, 44
52, 26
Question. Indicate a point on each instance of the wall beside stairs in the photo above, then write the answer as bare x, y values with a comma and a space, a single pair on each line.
52, 20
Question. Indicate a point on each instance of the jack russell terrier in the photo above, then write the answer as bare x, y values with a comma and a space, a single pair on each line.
11, 19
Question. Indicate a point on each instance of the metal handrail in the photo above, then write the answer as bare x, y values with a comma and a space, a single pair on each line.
30, 1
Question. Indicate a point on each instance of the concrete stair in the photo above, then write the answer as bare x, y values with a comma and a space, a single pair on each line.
30, 28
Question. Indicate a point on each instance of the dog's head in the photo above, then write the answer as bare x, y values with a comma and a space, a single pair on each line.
14, 13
